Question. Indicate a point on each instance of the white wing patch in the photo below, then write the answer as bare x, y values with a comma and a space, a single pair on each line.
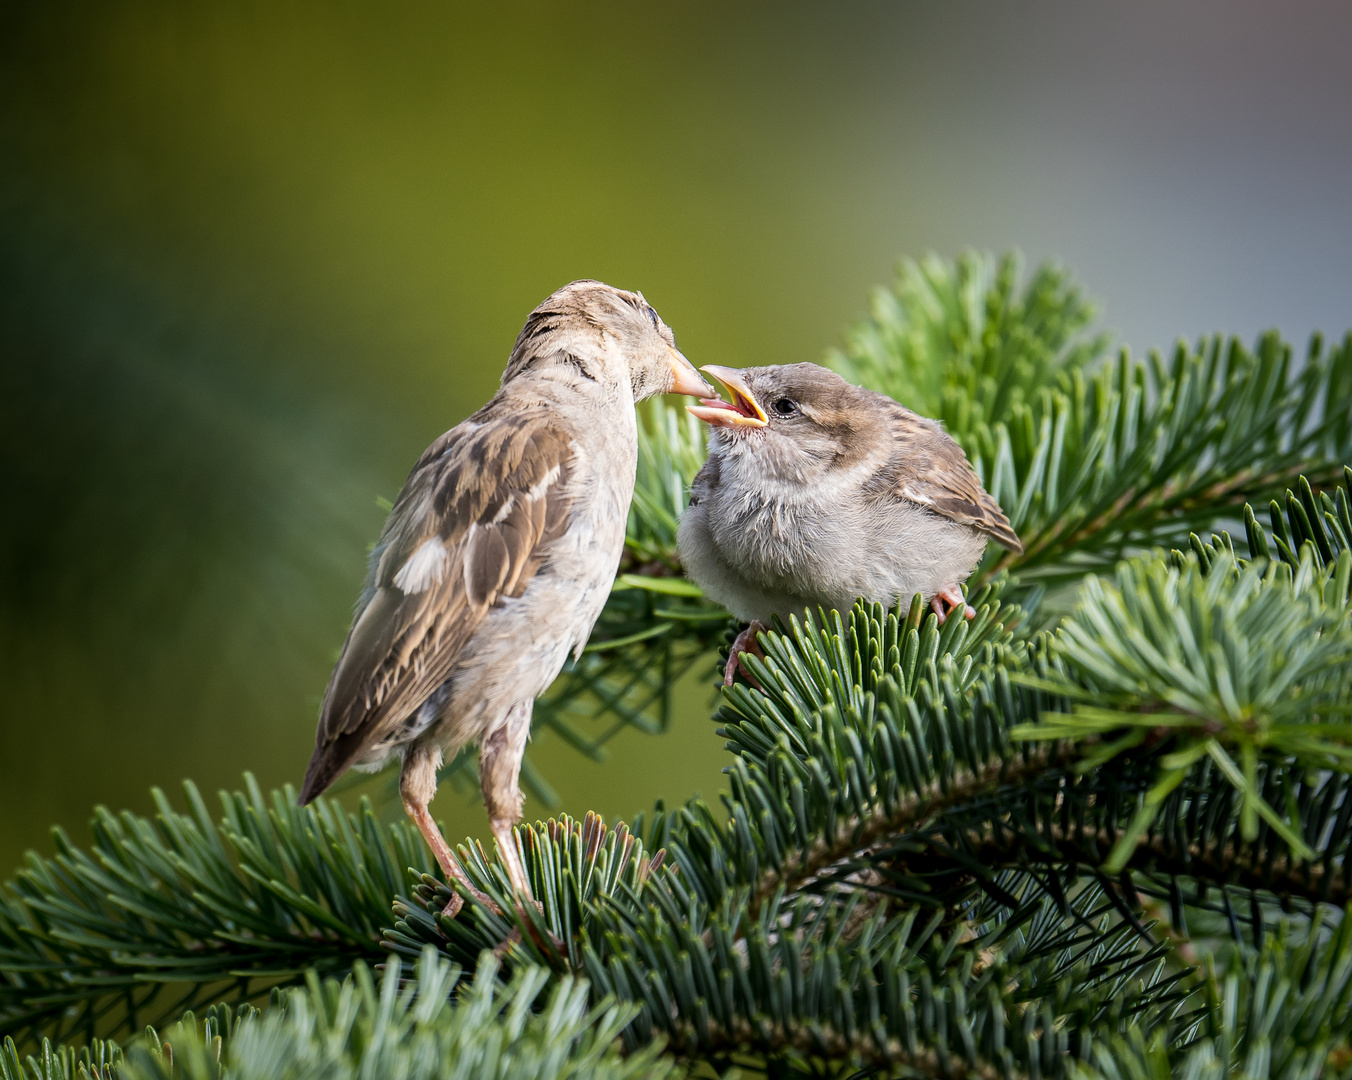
425, 568
909, 492
543, 486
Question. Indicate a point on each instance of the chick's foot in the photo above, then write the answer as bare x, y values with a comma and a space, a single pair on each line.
746, 641
948, 600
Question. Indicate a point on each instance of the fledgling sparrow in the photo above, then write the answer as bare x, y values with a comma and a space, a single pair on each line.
496, 560
817, 492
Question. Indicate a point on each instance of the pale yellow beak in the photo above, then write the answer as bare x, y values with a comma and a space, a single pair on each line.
742, 412
684, 378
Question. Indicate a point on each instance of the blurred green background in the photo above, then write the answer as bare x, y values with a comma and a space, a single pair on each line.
254, 257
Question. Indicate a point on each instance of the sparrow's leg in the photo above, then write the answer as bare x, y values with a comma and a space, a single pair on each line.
744, 642
417, 785
499, 772
947, 600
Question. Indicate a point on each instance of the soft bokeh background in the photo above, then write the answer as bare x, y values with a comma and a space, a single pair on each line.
253, 257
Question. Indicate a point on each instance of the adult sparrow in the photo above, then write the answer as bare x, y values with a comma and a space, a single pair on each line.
496, 560
817, 492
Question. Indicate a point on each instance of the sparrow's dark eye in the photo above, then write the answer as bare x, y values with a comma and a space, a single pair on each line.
785, 406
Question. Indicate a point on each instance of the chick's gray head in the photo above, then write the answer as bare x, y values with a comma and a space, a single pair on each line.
592, 331
791, 422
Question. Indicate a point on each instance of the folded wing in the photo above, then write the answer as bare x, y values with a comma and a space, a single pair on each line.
935, 473
471, 526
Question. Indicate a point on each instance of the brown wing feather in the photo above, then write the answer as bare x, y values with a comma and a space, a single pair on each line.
479, 510
930, 469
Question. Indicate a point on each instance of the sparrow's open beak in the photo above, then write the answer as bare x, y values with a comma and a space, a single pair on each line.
684, 378
743, 411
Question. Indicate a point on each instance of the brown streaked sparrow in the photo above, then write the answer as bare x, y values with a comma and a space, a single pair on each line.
817, 492
496, 560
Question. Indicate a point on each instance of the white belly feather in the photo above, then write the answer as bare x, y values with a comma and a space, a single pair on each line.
776, 553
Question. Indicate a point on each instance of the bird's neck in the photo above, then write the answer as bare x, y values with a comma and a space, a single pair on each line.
573, 390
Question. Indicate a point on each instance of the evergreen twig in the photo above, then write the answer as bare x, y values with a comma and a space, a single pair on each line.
968, 850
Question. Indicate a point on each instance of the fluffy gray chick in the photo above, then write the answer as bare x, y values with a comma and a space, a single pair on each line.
496, 560
817, 492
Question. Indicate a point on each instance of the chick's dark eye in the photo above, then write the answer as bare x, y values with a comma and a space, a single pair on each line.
785, 406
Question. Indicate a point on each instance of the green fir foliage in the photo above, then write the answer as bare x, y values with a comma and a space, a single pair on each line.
1202, 657
1111, 845
166, 914
964, 342
524, 1028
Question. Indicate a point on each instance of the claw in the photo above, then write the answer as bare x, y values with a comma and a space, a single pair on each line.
450, 865
746, 641
503, 831
947, 600
546, 943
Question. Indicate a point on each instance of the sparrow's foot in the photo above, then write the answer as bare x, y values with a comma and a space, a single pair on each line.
503, 947
505, 835
746, 641
450, 865
948, 600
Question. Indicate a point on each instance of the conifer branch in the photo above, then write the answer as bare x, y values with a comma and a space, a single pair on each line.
488, 1029
857, 839
1283, 1011
1234, 865
936, 840
163, 915
1135, 455
1208, 658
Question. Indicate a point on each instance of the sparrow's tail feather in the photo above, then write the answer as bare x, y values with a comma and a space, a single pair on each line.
1006, 537
329, 762
997, 526
317, 779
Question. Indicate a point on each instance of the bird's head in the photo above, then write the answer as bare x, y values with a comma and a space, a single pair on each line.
790, 422
592, 331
